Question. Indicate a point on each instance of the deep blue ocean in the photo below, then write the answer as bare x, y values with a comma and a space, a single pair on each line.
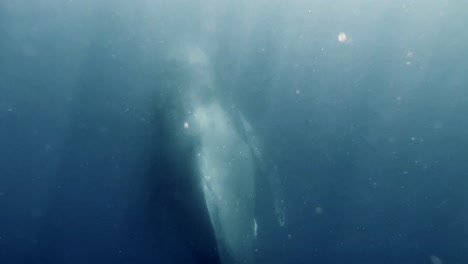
359, 107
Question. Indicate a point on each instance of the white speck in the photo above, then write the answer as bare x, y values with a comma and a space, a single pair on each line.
342, 37
413, 138
435, 259
298, 91
186, 125
9, 110
318, 210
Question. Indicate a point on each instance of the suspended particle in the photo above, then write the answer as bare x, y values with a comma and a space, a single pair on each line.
342, 37
435, 259
318, 210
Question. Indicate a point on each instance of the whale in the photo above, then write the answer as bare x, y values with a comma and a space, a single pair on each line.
227, 173
225, 163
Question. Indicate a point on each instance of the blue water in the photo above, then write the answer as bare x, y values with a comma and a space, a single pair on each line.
364, 140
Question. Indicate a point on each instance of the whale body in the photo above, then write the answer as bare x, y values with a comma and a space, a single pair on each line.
228, 176
225, 162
